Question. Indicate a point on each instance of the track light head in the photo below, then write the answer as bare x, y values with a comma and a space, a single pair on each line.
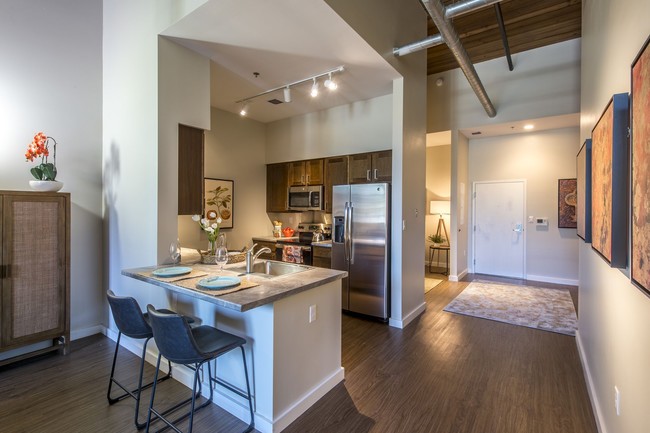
244, 110
287, 94
314, 89
331, 84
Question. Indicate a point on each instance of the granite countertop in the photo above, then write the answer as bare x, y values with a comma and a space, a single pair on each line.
324, 244
268, 291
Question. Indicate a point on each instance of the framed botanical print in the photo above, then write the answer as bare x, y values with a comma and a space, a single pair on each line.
218, 201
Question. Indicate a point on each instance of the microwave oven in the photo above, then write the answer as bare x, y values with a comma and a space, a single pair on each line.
306, 197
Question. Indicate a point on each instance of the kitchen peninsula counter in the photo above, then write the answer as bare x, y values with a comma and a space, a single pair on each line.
267, 290
292, 327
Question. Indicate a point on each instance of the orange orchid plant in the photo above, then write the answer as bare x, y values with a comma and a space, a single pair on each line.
39, 147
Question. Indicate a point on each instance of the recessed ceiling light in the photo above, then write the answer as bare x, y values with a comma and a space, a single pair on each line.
528, 127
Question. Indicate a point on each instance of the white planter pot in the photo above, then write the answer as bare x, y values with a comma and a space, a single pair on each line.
45, 185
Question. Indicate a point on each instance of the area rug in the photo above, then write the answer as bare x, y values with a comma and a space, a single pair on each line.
430, 283
533, 307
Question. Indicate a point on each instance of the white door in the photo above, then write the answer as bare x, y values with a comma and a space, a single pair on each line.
499, 238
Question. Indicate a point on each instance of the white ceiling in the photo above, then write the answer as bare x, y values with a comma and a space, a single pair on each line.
284, 41
540, 124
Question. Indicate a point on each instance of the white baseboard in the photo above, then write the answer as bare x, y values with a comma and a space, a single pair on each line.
76, 334
553, 280
595, 405
458, 277
408, 318
300, 406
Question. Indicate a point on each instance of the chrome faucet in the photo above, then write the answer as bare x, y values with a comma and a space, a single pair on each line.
250, 257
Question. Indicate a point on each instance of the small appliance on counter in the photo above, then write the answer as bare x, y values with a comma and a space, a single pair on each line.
299, 250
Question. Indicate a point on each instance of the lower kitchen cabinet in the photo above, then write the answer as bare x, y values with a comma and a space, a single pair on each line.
34, 271
321, 256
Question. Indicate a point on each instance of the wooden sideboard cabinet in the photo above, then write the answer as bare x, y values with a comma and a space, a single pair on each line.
34, 271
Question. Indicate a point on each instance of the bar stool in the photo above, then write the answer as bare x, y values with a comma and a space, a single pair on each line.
133, 323
193, 347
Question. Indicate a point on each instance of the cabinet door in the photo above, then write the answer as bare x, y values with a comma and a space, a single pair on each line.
297, 173
190, 170
269, 245
277, 184
382, 166
34, 292
360, 168
336, 173
314, 172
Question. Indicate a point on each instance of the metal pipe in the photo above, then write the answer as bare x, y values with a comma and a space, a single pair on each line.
504, 36
429, 42
436, 11
461, 8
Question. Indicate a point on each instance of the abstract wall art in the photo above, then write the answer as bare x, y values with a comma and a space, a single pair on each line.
567, 200
609, 190
583, 209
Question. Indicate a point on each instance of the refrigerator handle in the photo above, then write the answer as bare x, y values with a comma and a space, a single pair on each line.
345, 233
349, 231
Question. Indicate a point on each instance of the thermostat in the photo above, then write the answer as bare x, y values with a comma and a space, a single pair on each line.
541, 222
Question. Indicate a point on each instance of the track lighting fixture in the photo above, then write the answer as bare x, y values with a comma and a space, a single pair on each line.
331, 84
286, 88
314, 89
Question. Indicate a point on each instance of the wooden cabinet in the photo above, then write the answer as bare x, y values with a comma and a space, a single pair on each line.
34, 271
321, 256
336, 173
277, 185
262, 244
190, 170
308, 172
371, 167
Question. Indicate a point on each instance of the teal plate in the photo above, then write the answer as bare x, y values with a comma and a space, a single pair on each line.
218, 283
172, 272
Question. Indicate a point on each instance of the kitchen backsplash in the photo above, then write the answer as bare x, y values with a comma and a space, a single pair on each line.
292, 219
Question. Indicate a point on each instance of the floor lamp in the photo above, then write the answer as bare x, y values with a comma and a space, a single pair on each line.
440, 208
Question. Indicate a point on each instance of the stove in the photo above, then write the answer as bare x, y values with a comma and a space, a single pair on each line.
300, 251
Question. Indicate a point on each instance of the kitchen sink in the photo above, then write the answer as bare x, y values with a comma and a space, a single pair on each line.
270, 268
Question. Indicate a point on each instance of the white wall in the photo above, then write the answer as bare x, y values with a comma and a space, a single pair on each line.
614, 316
235, 150
131, 139
541, 158
363, 126
460, 203
438, 187
42, 89
408, 122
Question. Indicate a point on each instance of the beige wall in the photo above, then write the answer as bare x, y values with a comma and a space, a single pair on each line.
541, 158
235, 150
438, 187
614, 316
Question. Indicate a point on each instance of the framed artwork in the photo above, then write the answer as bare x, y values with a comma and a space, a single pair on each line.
218, 200
609, 176
583, 185
640, 136
567, 200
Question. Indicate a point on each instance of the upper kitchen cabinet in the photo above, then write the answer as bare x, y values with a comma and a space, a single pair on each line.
336, 173
306, 172
277, 185
371, 167
190, 170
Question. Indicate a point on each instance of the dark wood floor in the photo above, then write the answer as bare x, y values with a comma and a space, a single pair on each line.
444, 373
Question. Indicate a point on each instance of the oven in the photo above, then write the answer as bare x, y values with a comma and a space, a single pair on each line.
300, 250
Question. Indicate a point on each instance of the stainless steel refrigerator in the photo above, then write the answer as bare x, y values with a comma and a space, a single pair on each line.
361, 246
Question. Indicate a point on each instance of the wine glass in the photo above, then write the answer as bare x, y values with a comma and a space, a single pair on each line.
175, 251
221, 257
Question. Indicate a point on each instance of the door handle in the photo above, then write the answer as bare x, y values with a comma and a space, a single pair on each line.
518, 228
308, 179
375, 173
367, 174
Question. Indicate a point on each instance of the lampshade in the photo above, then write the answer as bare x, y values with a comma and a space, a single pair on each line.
439, 207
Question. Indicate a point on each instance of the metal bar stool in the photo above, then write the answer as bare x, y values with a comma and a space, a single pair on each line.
133, 323
193, 347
